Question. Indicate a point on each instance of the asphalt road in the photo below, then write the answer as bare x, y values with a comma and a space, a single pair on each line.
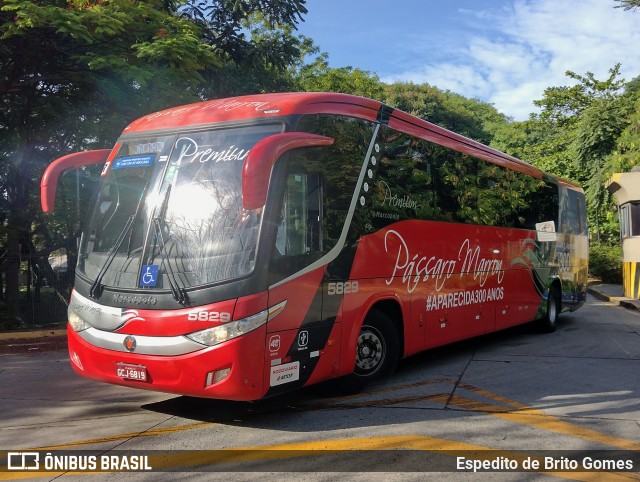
506, 398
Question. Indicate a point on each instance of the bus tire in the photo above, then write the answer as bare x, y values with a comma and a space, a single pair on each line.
377, 352
550, 321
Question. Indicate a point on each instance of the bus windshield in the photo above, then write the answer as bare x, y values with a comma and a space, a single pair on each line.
169, 212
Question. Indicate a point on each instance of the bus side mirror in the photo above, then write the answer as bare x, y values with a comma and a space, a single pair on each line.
256, 170
49, 181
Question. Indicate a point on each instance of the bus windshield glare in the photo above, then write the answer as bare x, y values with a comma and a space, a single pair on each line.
169, 211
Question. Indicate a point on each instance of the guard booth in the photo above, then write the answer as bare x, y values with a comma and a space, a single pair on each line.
625, 187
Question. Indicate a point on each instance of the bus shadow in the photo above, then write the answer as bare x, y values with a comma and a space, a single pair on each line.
423, 384
486, 375
229, 412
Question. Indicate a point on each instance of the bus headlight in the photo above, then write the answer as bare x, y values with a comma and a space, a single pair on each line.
76, 322
233, 329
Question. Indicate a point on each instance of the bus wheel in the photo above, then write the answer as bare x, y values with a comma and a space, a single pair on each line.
377, 352
550, 320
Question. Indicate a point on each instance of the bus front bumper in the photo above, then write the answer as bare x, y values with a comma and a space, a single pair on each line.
233, 370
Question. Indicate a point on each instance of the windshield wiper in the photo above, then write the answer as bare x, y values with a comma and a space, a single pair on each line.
178, 292
97, 286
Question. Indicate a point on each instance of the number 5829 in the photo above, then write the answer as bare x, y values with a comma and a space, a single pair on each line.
342, 288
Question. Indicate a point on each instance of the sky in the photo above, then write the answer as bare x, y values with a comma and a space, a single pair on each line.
505, 52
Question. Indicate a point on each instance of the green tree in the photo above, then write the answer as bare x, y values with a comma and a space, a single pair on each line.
63, 66
628, 4
319, 77
597, 131
74, 72
469, 117
626, 154
258, 44
574, 137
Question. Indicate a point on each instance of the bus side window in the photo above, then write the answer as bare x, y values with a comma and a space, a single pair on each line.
573, 212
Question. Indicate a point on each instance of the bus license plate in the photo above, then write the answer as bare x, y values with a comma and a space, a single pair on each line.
131, 372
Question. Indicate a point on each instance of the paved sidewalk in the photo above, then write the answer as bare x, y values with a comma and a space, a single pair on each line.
614, 294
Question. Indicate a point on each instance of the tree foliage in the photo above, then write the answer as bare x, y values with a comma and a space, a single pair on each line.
469, 117
73, 73
626, 155
577, 136
628, 4
319, 77
258, 41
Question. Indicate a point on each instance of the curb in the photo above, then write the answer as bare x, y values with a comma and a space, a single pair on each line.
597, 294
22, 335
629, 305
619, 300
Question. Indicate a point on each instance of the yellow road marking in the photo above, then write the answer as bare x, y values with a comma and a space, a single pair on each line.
535, 418
510, 410
124, 436
327, 447
514, 411
408, 442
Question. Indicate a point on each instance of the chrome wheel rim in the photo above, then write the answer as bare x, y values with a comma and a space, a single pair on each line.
371, 351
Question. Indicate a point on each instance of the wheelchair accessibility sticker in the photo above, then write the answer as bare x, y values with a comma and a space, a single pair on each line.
149, 275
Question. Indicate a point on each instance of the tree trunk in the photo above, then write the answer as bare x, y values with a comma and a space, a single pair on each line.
12, 293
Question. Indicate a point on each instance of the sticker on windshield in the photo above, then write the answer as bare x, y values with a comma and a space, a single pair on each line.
157, 146
149, 275
133, 161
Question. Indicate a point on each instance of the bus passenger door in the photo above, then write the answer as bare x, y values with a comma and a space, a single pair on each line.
305, 337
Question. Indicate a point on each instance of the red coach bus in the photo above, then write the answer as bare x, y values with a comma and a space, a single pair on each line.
244, 247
